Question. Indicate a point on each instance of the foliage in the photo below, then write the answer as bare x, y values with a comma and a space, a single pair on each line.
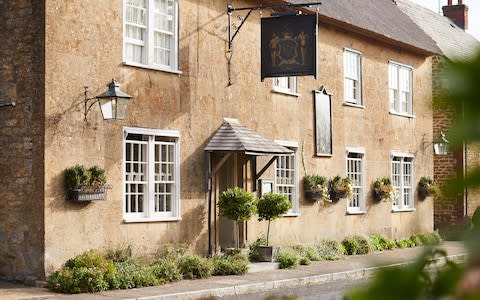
476, 219
339, 187
330, 249
253, 253
194, 266
79, 176
356, 245
237, 204
309, 252
132, 275
119, 254
383, 189
271, 206
88, 272
166, 270
316, 187
381, 243
236, 264
402, 244
413, 281
288, 258
314, 183
426, 187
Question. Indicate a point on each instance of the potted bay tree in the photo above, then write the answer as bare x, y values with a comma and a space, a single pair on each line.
237, 205
271, 206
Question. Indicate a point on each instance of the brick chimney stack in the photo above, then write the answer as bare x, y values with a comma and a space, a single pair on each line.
457, 13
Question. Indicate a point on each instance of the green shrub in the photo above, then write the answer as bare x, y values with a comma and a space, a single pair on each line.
307, 251
172, 252
236, 264
166, 270
85, 273
253, 253
351, 245
271, 206
402, 243
288, 259
330, 249
363, 245
79, 176
416, 240
132, 275
381, 243
194, 266
119, 254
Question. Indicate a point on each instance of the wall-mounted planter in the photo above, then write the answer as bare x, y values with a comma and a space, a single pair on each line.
87, 194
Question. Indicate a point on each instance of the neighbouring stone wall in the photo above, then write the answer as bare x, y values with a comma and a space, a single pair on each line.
21, 139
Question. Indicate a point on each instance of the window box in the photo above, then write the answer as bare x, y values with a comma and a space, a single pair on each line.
87, 194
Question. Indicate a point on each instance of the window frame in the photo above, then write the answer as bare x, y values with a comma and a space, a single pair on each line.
360, 209
292, 145
148, 215
410, 206
291, 87
358, 59
395, 107
149, 41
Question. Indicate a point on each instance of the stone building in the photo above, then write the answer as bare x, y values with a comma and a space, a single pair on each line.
449, 33
373, 64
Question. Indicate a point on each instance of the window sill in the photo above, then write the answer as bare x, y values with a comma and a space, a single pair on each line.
290, 215
137, 65
353, 105
356, 212
286, 92
151, 220
401, 114
395, 210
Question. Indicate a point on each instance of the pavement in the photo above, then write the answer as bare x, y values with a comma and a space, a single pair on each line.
262, 277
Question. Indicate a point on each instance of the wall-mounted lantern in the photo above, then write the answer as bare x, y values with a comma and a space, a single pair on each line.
113, 103
440, 144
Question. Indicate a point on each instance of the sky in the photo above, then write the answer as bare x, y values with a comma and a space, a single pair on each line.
473, 12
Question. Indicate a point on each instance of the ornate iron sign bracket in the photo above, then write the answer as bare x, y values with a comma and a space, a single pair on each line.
231, 36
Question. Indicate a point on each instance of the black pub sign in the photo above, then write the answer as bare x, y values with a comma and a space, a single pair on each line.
288, 46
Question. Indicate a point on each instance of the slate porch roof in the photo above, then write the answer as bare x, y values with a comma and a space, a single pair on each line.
453, 41
233, 136
378, 19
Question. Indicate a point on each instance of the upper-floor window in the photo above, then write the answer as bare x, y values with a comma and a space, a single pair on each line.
402, 181
352, 77
400, 88
151, 33
151, 173
286, 175
285, 84
355, 171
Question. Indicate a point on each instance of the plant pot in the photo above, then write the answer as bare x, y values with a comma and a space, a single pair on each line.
267, 253
87, 194
313, 196
423, 193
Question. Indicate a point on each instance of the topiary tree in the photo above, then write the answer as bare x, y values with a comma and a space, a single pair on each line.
271, 206
238, 205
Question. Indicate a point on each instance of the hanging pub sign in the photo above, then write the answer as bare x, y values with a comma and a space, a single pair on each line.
289, 46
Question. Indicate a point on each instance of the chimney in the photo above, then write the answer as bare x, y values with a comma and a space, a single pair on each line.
457, 13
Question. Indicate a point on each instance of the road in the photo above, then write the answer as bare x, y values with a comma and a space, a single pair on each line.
327, 291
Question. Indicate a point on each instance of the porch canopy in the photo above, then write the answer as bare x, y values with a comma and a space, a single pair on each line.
233, 137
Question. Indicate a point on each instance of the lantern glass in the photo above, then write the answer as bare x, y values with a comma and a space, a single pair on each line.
113, 108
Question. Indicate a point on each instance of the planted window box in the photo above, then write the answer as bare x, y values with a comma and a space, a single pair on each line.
86, 184
383, 189
427, 188
339, 187
315, 187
